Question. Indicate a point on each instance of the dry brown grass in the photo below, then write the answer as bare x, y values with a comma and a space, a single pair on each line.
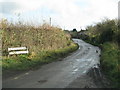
44, 37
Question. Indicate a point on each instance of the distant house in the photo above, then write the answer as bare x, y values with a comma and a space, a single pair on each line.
82, 34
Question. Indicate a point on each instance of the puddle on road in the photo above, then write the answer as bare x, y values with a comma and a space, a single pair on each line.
84, 71
81, 66
16, 78
26, 73
86, 64
89, 59
75, 70
74, 67
80, 60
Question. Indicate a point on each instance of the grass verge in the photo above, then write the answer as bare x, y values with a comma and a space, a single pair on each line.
26, 62
110, 62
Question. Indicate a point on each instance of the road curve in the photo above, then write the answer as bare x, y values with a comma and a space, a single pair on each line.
58, 74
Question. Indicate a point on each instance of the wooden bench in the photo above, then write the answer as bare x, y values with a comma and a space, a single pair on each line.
18, 50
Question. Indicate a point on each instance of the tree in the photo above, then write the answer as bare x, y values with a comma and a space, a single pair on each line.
74, 30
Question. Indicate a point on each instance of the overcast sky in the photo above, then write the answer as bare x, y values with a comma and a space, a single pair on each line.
67, 14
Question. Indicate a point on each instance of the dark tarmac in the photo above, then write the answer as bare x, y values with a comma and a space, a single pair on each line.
71, 72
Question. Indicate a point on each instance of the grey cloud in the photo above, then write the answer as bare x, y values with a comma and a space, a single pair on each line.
8, 7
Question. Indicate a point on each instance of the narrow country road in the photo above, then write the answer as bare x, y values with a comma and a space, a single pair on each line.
69, 72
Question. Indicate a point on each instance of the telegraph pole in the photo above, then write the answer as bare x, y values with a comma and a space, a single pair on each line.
50, 21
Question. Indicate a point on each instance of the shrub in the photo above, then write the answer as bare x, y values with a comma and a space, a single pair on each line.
110, 62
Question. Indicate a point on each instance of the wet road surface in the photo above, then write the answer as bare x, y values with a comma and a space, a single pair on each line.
59, 74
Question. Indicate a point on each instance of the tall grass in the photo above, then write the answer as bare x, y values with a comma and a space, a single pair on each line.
42, 41
39, 38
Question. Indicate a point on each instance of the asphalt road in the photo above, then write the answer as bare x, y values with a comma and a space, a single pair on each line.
59, 74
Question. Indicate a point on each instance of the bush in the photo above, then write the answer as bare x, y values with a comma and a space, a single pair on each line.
105, 31
110, 62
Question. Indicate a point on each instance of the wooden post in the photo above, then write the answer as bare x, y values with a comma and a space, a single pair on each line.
50, 21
